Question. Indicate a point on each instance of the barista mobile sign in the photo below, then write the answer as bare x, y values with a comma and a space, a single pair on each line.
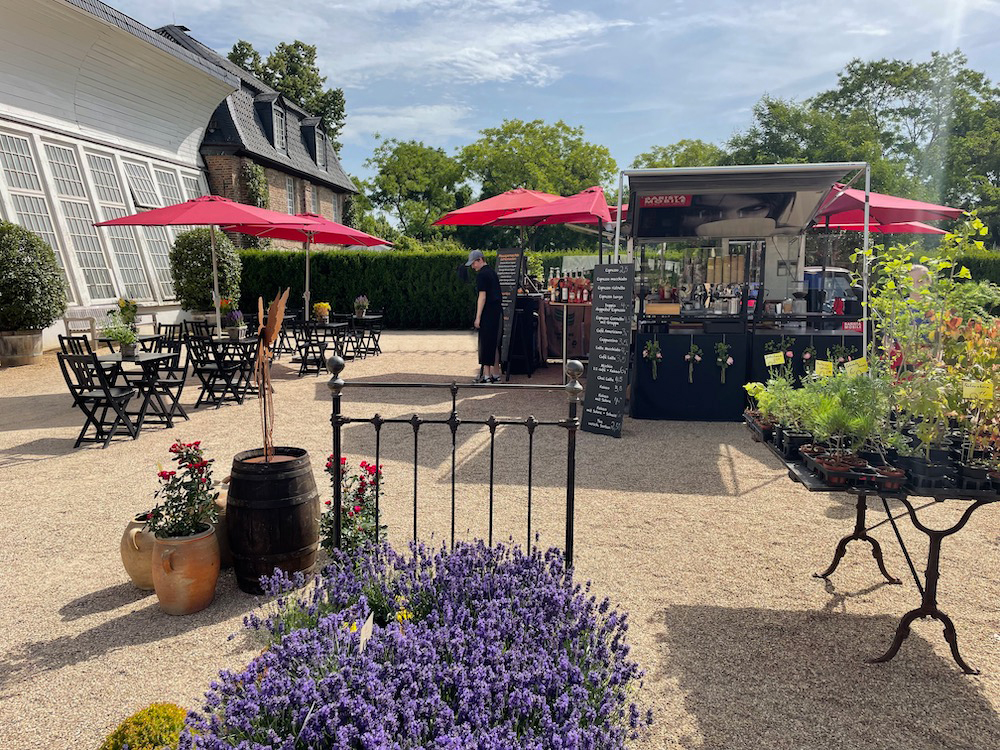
670, 199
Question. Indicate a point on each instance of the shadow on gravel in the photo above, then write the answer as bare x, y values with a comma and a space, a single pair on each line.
770, 679
146, 625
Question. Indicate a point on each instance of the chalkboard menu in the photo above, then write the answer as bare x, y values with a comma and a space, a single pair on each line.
509, 273
610, 341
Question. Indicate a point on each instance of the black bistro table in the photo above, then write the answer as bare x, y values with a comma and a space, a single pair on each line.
149, 364
928, 587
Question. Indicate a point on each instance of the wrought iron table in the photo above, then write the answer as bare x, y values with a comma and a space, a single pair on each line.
929, 586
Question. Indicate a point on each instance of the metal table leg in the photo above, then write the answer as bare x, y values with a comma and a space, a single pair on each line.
928, 603
860, 533
565, 324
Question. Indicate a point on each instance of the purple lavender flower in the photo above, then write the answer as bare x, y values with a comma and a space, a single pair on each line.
474, 648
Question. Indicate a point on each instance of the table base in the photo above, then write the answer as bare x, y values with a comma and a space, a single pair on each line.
861, 534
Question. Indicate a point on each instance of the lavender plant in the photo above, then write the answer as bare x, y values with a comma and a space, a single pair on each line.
474, 648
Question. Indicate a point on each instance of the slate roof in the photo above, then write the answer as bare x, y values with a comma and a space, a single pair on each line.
240, 130
116, 18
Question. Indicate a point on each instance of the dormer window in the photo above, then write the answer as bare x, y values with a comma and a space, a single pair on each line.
279, 129
320, 150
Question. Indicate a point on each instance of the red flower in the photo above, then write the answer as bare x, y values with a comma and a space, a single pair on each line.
357, 508
343, 460
328, 502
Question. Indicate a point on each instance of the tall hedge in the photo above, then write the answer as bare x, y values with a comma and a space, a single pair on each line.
984, 267
416, 290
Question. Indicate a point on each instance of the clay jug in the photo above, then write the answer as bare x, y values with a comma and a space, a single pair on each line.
225, 554
137, 552
185, 571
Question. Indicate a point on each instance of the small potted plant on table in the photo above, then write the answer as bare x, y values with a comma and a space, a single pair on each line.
321, 311
232, 320
186, 558
360, 306
118, 330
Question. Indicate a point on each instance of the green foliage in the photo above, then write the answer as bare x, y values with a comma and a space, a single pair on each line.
116, 328
191, 268
416, 184
257, 194
292, 70
155, 727
685, 153
32, 286
554, 158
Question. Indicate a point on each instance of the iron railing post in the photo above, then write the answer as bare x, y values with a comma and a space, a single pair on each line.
574, 392
335, 366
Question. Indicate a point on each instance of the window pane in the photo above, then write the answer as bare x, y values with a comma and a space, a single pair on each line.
192, 186
65, 171
89, 254
279, 129
126, 249
141, 184
169, 188
18, 165
290, 190
102, 172
158, 243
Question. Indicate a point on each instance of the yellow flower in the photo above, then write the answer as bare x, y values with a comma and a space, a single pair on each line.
351, 626
403, 615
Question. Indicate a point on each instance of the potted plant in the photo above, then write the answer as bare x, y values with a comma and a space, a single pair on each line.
116, 329
232, 320
321, 311
360, 306
128, 311
185, 558
191, 269
32, 294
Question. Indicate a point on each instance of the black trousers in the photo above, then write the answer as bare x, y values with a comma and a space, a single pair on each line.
489, 335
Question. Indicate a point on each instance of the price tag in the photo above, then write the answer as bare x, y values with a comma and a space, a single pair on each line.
775, 358
856, 366
824, 368
977, 391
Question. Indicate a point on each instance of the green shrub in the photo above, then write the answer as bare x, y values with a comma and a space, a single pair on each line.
32, 286
984, 267
414, 289
154, 727
191, 267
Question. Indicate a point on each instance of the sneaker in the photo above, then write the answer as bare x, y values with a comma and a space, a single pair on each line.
480, 381
494, 379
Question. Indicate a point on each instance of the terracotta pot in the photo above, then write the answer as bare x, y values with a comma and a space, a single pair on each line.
137, 552
185, 571
221, 534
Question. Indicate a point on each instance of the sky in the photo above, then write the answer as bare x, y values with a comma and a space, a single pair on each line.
633, 74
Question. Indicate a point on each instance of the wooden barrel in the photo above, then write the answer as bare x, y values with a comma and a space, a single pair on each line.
272, 515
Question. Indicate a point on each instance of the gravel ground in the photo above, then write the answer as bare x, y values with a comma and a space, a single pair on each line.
692, 528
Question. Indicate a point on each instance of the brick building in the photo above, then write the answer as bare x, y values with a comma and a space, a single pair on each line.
256, 124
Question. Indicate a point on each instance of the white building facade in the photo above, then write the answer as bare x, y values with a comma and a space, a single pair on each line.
100, 117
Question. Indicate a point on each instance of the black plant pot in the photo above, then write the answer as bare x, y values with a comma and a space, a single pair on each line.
792, 440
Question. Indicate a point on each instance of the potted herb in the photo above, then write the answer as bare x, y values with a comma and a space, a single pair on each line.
232, 320
186, 558
32, 294
321, 311
128, 311
116, 329
360, 306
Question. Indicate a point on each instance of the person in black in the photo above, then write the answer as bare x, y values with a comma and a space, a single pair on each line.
489, 312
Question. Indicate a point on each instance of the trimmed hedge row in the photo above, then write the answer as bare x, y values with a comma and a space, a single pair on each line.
415, 290
983, 267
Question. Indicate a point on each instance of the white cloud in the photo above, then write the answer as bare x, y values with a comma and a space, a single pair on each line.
428, 122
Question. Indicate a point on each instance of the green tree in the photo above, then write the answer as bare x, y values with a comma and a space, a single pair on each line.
359, 213
292, 70
554, 158
685, 153
416, 184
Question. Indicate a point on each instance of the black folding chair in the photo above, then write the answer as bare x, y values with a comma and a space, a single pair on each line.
80, 346
369, 331
97, 398
312, 341
220, 379
347, 337
201, 328
171, 374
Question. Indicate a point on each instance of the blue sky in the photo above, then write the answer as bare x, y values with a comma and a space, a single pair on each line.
633, 74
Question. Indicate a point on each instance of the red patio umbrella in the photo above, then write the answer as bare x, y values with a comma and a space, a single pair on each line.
847, 206
899, 227
485, 211
208, 210
321, 230
586, 207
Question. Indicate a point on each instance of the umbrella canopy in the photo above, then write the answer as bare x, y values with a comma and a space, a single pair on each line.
847, 206
320, 230
586, 207
490, 209
208, 210
899, 227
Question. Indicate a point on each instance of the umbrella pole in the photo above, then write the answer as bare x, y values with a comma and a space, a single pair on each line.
600, 242
215, 285
306, 296
866, 317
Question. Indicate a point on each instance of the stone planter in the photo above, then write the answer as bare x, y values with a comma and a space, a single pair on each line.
137, 552
20, 348
236, 332
185, 571
129, 351
359, 312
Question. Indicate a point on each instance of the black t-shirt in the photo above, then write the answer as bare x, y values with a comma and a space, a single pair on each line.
487, 281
